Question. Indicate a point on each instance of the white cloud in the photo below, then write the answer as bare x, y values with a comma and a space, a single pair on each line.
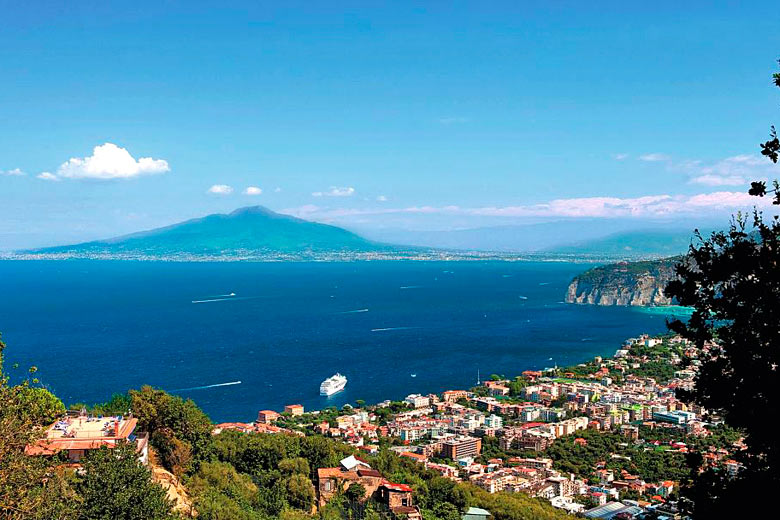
650, 206
654, 157
16, 172
277, 189
47, 176
381, 198
109, 161
220, 189
253, 190
335, 191
620, 156
719, 180
731, 171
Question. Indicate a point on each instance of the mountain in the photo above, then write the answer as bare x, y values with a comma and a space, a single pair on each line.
602, 238
624, 283
633, 244
523, 238
251, 230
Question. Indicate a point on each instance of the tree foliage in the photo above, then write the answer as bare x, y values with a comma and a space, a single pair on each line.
300, 492
116, 485
24, 409
179, 430
732, 281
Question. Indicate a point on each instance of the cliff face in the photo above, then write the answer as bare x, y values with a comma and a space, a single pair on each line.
625, 283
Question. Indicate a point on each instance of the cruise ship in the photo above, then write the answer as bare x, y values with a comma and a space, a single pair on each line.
333, 384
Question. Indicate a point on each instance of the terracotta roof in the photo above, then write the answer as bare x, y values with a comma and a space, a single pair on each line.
336, 472
415, 456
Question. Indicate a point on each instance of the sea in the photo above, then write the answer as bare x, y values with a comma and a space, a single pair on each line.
242, 337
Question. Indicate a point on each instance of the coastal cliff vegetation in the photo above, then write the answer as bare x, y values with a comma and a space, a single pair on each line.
625, 283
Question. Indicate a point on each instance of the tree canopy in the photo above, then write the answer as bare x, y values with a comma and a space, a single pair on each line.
732, 282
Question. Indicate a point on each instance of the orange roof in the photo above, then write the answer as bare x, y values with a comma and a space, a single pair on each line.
323, 473
415, 456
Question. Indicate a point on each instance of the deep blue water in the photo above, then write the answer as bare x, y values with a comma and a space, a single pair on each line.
98, 327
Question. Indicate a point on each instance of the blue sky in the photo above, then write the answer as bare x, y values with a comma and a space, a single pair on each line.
397, 114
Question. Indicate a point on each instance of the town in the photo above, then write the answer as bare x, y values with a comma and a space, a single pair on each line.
599, 439
501, 435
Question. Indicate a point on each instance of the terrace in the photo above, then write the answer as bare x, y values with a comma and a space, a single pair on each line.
78, 434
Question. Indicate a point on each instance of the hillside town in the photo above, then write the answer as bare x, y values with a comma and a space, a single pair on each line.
502, 434
590, 439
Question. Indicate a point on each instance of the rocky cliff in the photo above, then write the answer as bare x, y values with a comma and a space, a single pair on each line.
624, 283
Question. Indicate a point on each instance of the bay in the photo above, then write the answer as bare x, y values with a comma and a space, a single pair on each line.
94, 328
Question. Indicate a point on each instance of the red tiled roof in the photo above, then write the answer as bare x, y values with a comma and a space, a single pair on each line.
402, 488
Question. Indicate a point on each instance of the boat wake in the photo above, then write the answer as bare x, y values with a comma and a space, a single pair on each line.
411, 287
226, 299
385, 329
207, 386
353, 312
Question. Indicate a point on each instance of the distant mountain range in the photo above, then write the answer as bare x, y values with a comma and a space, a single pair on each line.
602, 238
645, 243
258, 233
250, 230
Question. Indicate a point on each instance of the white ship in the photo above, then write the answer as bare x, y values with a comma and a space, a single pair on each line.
333, 384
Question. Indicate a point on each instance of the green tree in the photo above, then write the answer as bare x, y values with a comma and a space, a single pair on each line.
355, 492
292, 466
443, 511
175, 425
220, 492
117, 486
23, 409
300, 492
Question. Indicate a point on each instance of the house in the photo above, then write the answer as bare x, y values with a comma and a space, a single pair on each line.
451, 396
611, 510
417, 401
333, 481
267, 416
76, 435
418, 457
294, 409
398, 498
475, 513
353, 463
